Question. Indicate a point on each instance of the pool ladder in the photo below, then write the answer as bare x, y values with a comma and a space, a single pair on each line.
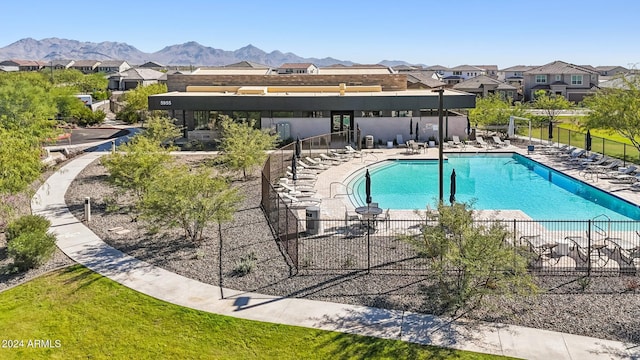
598, 229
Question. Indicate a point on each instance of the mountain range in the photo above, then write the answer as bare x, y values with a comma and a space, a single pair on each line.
189, 53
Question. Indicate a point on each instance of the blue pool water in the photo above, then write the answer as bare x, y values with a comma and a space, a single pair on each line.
491, 182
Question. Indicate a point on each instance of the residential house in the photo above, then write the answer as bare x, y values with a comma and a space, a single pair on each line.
152, 65
132, 78
24, 65
484, 85
461, 73
611, 70
489, 70
59, 64
297, 68
514, 75
113, 66
8, 68
573, 82
423, 80
86, 66
439, 69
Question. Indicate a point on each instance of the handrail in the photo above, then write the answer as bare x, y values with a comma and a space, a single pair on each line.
340, 183
368, 153
599, 230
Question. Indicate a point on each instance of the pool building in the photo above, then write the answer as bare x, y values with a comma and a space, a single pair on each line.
336, 100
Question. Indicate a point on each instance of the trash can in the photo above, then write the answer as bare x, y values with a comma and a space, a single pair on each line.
314, 226
530, 149
369, 141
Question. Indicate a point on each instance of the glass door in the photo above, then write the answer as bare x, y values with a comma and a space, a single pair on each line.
342, 126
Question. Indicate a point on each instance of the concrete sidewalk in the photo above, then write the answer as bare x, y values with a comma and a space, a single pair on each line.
83, 246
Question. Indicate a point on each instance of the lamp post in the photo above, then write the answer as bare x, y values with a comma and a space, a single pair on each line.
440, 92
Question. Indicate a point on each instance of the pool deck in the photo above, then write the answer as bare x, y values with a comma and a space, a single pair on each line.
335, 202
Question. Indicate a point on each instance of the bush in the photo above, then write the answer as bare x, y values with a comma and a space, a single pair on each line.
27, 224
28, 242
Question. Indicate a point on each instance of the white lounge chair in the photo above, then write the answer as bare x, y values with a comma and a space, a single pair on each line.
499, 142
480, 141
456, 141
350, 150
311, 166
298, 201
298, 190
302, 176
334, 158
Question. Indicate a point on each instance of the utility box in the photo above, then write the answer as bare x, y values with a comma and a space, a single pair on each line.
314, 226
368, 140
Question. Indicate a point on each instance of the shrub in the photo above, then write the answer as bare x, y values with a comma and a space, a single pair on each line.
27, 224
31, 249
245, 265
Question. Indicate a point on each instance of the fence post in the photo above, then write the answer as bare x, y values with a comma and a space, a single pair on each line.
515, 246
589, 248
368, 245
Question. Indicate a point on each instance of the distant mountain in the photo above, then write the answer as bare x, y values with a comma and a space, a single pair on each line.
190, 53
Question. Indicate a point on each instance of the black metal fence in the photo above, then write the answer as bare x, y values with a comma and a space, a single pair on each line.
581, 248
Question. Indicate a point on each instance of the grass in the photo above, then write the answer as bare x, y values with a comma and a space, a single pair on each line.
94, 317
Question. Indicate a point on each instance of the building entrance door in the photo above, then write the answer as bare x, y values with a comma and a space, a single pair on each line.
342, 126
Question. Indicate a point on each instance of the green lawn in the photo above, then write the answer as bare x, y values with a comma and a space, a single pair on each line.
92, 317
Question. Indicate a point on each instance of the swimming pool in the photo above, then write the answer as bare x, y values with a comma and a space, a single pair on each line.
492, 182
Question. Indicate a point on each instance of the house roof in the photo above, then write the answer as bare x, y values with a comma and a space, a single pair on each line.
487, 67
356, 70
247, 64
151, 64
436, 67
111, 63
85, 63
139, 74
424, 77
466, 68
559, 83
619, 83
453, 77
21, 62
296, 65
480, 81
560, 67
609, 68
65, 63
541, 87
519, 68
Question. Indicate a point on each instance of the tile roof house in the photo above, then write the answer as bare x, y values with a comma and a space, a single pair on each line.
461, 73
573, 82
113, 66
24, 65
437, 68
85, 66
423, 80
297, 68
611, 70
132, 78
59, 64
484, 85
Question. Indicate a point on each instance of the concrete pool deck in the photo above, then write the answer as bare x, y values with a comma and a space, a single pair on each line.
329, 185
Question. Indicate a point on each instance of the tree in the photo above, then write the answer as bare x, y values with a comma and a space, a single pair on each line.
471, 260
137, 100
551, 104
161, 129
243, 146
189, 200
494, 110
616, 109
134, 166
20, 162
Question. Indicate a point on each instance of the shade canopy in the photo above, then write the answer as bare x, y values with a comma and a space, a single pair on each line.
367, 187
452, 196
298, 147
294, 168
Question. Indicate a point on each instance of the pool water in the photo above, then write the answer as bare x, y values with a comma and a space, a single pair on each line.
491, 182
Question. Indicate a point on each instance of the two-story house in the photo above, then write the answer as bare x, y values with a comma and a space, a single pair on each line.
561, 79
611, 70
59, 64
297, 68
484, 85
514, 75
461, 73
113, 66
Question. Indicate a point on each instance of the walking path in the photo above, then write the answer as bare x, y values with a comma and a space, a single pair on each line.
83, 246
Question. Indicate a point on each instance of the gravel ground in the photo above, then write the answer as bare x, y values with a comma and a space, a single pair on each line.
604, 310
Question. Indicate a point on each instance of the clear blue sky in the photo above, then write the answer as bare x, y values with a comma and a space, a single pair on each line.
449, 33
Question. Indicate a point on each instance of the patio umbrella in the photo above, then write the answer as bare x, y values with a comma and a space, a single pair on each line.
411, 126
358, 135
587, 141
416, 131
511, 131
367, 187
298, 147
468, 126
294, 168
452, 197
550, 130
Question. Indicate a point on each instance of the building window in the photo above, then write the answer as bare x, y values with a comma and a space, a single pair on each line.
576, 79
558, 77
541, 79
457, 73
